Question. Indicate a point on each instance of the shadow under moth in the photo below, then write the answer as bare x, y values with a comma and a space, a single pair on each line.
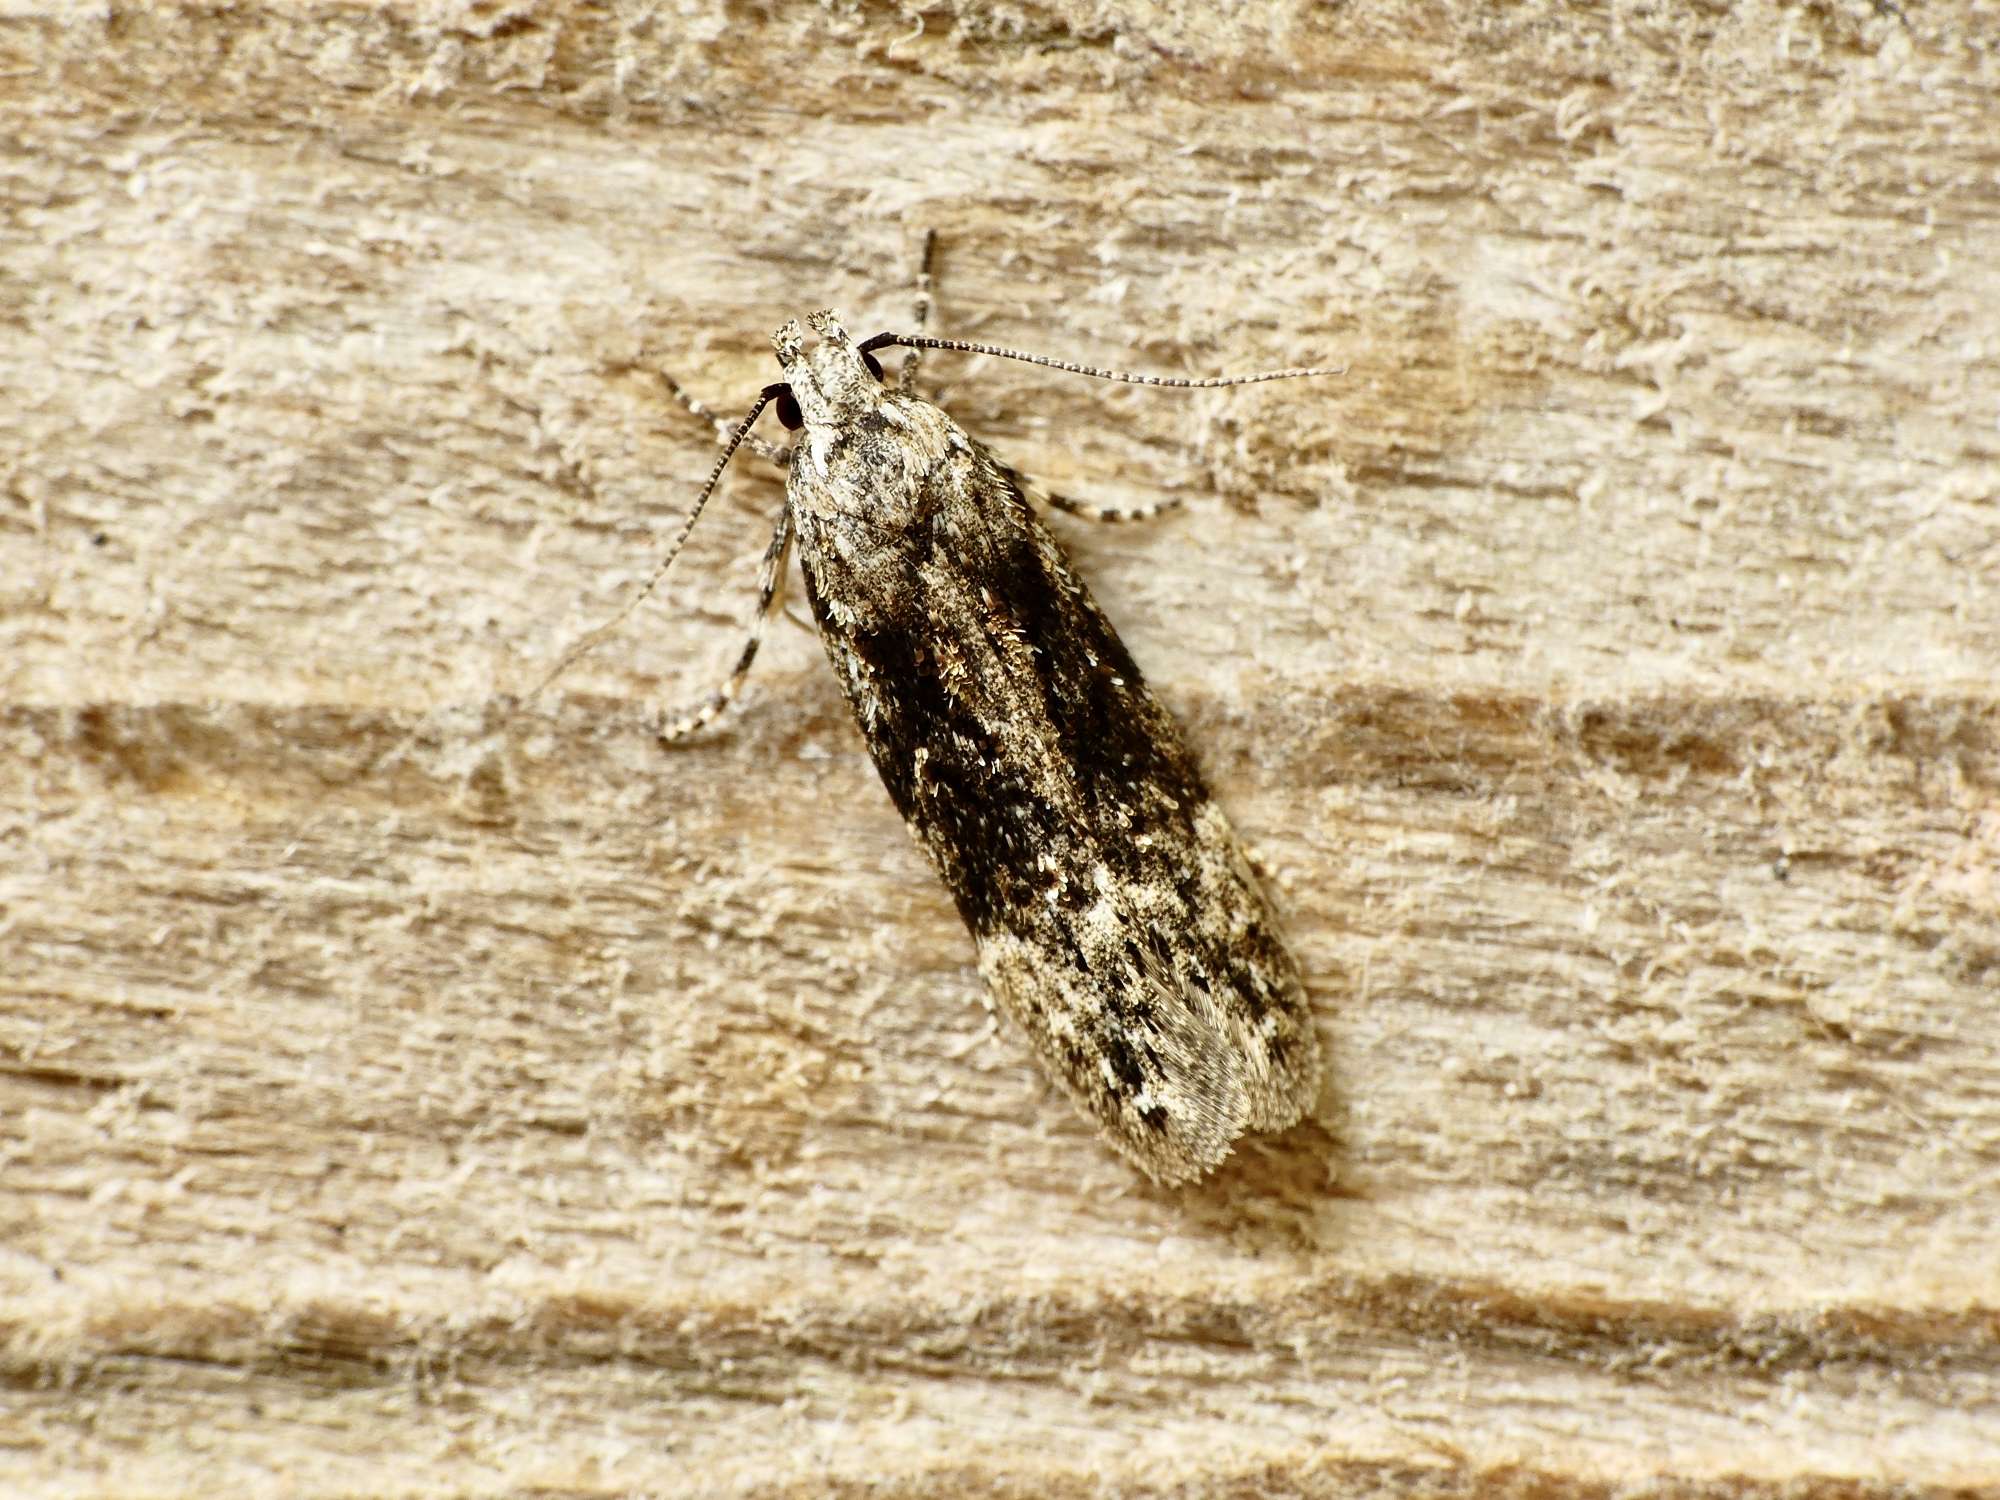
1117, 921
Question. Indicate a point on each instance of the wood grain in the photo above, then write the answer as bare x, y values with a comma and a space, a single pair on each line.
413, 1089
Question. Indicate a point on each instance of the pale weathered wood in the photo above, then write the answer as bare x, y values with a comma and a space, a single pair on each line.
410, 1091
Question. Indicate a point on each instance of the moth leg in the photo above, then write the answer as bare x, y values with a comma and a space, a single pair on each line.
722, 425
906, 374
1108, 514
770, 594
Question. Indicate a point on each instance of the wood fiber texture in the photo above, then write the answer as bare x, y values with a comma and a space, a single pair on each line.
409, 1089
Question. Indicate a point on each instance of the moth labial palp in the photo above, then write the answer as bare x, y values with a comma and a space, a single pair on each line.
1116, 919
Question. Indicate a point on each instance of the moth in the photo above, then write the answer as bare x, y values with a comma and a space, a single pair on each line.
1117, 921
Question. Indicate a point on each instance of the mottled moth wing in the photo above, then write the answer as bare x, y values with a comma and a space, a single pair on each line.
1116, 919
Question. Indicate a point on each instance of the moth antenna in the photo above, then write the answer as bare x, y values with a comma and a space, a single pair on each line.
921, 341
604, 632
770, 594
771, 451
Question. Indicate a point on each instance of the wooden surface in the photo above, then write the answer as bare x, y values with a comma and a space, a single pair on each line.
409, 1090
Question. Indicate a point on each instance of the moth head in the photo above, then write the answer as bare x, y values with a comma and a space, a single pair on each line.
831, 383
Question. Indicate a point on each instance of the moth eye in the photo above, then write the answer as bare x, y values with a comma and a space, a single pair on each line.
874, 364
788, 411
